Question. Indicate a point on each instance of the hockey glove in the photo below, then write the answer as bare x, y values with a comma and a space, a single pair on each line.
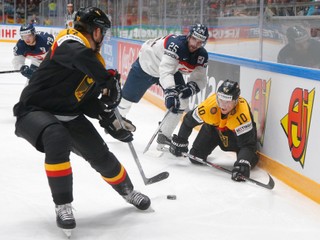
27, 71
178, 145
188, 90
241, 168
111, 124
172, 100
111, 96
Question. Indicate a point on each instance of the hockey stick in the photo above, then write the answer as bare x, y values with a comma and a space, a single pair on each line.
10, 71
269, 185
156, 132
161, 176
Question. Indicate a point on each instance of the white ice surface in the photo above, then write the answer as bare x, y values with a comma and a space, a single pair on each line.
209, 205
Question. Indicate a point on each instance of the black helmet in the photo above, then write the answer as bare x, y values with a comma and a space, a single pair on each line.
90, 18
200, 32
228, 90
297, 34
27, 29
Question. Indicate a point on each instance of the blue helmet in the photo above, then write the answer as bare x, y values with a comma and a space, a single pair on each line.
199, 31
27, 29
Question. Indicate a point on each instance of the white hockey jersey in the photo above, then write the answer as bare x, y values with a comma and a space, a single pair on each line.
163, 57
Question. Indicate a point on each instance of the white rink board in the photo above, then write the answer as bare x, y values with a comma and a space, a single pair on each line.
276, 141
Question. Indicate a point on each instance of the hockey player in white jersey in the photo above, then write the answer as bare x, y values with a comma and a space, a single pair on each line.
164, 61
32, 46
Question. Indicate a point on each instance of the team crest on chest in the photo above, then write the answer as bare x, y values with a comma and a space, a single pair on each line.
213, 110
200, 60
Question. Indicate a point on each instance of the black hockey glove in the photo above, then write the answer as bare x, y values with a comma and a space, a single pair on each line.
188, 90
111, 124
241, 168
172, 100
178, 145
27, 71
111, 96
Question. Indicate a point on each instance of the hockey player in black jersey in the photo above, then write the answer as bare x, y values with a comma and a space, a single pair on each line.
52, 108
227, 122
33, 46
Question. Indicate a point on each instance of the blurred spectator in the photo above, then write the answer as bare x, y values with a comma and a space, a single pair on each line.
69, 16
315, 32
34, 20
283, 10
314, 9
47, 21
31, 7
52, 8
246, 8
20, 9
269, 11
301, 50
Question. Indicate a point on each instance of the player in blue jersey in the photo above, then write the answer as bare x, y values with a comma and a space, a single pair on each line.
33, 46
164, 61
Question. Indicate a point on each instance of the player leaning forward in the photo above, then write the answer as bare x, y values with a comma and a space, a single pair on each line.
33, 46
166, 61
51, 112
227, 122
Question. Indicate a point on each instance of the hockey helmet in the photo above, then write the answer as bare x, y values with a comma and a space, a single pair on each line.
27, 29
297, 34
90, 18
199, 31
228, 91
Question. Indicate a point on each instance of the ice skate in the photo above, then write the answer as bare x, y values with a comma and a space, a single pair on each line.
163, 143
65, 219
138, 200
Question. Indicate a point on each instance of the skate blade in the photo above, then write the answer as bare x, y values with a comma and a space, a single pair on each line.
163, 147
67, 232
154, 153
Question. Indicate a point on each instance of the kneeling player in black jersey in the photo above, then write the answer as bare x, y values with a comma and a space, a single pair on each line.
227, 122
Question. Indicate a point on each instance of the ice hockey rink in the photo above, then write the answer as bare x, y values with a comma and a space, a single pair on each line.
209, 204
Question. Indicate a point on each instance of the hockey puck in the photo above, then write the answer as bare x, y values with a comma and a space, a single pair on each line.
171, 197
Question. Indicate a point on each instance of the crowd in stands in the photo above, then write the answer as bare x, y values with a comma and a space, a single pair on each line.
223, 8
215, 8
22, 11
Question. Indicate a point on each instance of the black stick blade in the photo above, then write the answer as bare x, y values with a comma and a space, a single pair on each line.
157, 178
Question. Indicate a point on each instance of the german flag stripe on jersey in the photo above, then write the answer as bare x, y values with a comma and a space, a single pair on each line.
58, 170
117, 179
